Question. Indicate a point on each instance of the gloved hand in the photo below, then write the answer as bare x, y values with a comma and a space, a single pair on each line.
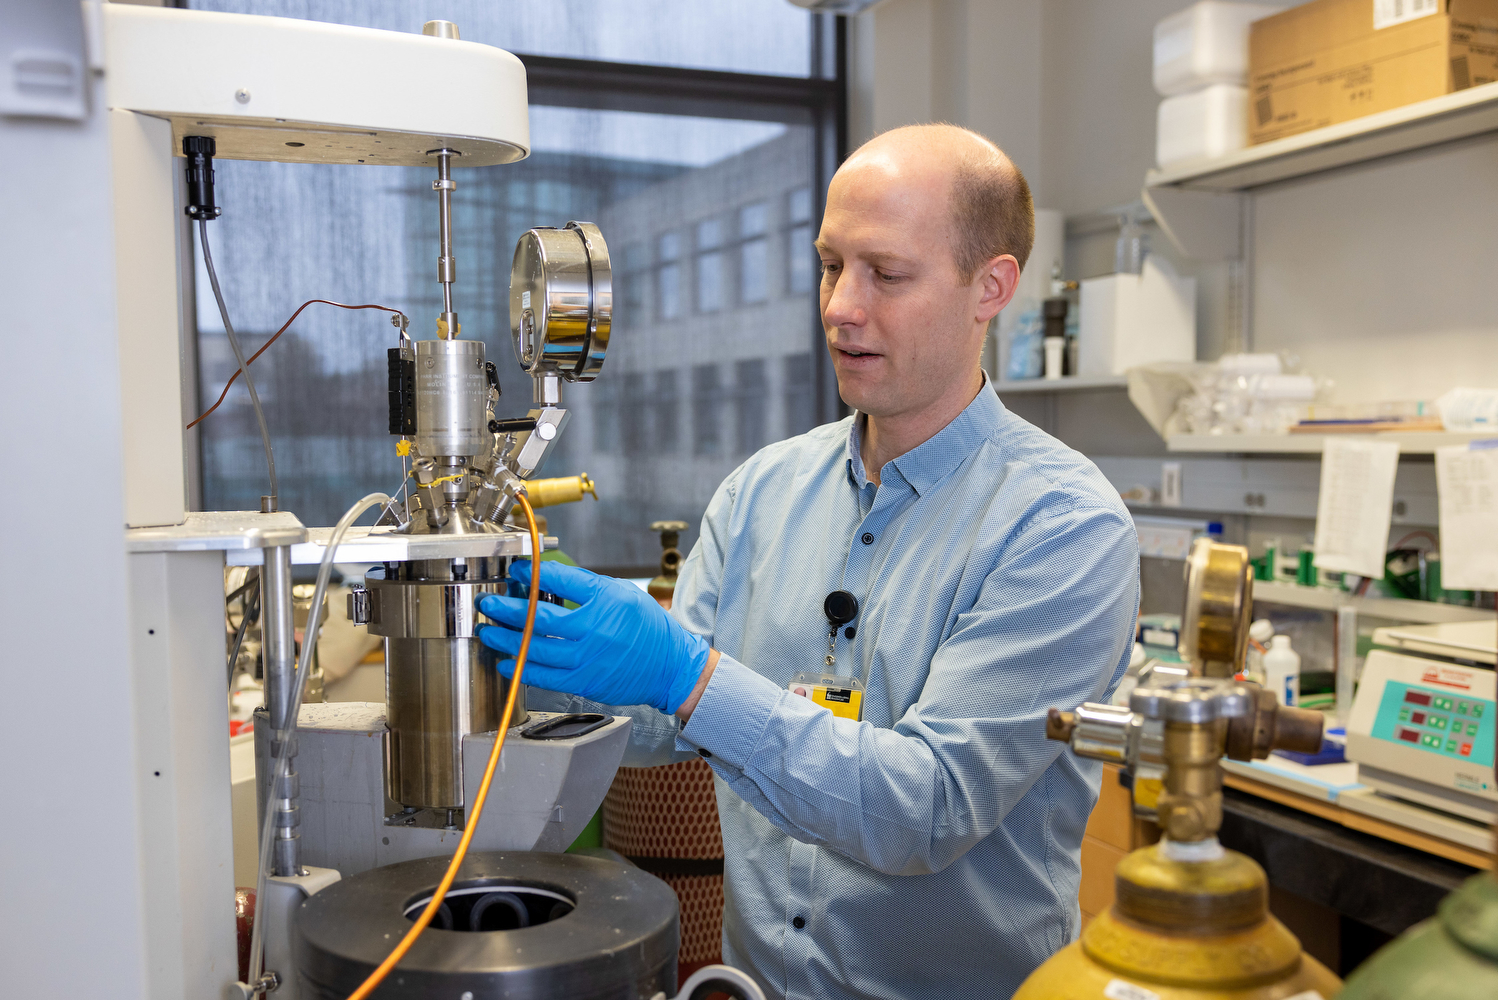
619, 647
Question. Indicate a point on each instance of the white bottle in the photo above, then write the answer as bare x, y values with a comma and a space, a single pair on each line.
1261, 632
1282, 671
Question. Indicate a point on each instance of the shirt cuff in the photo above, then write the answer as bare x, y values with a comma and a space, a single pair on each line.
730, 718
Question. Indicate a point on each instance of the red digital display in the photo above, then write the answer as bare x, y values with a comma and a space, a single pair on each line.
1409, 735
1418, 718
1417, 698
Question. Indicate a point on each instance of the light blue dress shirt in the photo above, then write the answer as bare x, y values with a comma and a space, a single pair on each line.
932, 849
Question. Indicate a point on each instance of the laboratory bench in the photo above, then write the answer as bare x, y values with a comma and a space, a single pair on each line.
1345, 883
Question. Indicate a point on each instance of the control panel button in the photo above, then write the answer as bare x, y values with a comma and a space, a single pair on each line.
1466, 750
1437, 722
1471, 729
1451, 746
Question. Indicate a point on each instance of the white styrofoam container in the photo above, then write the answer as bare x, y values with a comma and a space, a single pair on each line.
1204, 44
1136, 319
1209, 122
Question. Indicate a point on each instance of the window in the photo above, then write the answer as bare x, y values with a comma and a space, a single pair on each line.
800, 254
668, 276
798, 410
696, 180
707, 405
753, 410
709, 266
665, 406
754, 253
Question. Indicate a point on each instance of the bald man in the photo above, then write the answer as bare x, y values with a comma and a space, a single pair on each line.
928, 845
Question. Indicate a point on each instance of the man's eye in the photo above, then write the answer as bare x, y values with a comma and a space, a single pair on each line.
830, 267
888, 278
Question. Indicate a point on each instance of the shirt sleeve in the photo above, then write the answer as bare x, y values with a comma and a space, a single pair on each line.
1052, 625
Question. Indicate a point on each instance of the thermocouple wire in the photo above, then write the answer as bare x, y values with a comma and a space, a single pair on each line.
223, 311
378, 975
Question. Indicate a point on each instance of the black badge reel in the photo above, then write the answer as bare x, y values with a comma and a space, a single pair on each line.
843, 696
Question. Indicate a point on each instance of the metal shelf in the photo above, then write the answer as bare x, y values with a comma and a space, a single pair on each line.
1068, 383
1199, 205
1410, 443
1393, 608
1465, 113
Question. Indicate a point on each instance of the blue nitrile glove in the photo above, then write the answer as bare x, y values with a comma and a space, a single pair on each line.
619, 647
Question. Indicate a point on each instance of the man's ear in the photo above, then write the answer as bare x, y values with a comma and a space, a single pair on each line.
998, 278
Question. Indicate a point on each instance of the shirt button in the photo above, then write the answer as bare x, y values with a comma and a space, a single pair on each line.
850, 631
798, 923
702, 751
868, 539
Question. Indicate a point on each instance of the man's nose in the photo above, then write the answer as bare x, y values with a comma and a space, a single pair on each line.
845, 307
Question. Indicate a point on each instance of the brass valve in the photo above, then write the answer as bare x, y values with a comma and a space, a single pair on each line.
1185, 725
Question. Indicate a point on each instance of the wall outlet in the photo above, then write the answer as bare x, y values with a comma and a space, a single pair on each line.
1170, 484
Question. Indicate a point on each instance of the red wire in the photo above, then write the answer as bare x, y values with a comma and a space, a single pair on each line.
271, 341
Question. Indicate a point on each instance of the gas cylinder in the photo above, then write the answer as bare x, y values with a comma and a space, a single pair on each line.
1451, 956
1190, 920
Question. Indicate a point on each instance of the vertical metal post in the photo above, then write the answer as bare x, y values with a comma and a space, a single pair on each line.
446, 265
279, 650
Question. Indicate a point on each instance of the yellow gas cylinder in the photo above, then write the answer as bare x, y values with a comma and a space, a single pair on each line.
1190, 920
1184, 930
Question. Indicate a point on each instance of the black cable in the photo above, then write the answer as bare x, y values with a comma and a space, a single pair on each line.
247, 611
223, 311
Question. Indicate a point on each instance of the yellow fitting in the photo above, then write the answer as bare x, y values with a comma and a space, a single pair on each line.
567, 489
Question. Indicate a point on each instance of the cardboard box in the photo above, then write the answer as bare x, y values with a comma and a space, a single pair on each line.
1332, 61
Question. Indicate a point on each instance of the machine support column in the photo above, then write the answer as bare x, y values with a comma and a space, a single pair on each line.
279, 650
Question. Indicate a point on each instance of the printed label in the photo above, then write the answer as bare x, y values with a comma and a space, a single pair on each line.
1387, 13
1117, 989
845, 702
525, 299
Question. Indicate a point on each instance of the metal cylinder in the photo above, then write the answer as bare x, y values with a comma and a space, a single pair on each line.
441, 683
451, 392
594, 929
278, 628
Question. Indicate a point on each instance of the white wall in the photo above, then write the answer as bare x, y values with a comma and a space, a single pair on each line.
69, 864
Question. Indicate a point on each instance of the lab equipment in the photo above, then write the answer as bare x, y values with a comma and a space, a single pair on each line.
1205, 123
584, 650
345, 788
663, 586
1423, 723
1129, 320
1466, 409
1282, 671
1205, 44
1190, 919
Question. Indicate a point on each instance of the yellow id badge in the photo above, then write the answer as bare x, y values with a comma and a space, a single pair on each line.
842, 696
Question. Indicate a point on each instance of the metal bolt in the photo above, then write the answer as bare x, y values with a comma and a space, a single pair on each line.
242, 95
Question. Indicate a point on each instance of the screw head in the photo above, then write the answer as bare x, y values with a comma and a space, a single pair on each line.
242, 95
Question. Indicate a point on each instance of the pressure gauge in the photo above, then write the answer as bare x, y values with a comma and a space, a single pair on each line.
562, 301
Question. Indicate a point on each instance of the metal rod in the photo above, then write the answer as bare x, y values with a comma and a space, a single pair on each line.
446, 265
279, 649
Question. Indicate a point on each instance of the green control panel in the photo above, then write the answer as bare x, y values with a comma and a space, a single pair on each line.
1437, 721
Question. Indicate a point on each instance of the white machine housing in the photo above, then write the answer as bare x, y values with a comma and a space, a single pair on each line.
1422, 726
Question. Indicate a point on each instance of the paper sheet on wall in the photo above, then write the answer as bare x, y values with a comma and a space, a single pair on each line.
1355, 505
1467, 480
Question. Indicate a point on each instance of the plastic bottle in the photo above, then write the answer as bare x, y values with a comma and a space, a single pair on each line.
1282, 670
1261, 632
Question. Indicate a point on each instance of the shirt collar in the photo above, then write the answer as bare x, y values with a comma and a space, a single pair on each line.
931, 461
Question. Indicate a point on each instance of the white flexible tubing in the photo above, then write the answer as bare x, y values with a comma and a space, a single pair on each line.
298, 687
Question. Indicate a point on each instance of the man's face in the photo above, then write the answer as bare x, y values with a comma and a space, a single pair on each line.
901, 327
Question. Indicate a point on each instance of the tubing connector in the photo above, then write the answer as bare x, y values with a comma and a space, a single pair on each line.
496, 497
425, 471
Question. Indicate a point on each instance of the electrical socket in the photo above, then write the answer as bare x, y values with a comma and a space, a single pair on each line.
1170, 484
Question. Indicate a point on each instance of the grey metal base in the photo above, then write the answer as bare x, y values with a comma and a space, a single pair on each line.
543, 794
